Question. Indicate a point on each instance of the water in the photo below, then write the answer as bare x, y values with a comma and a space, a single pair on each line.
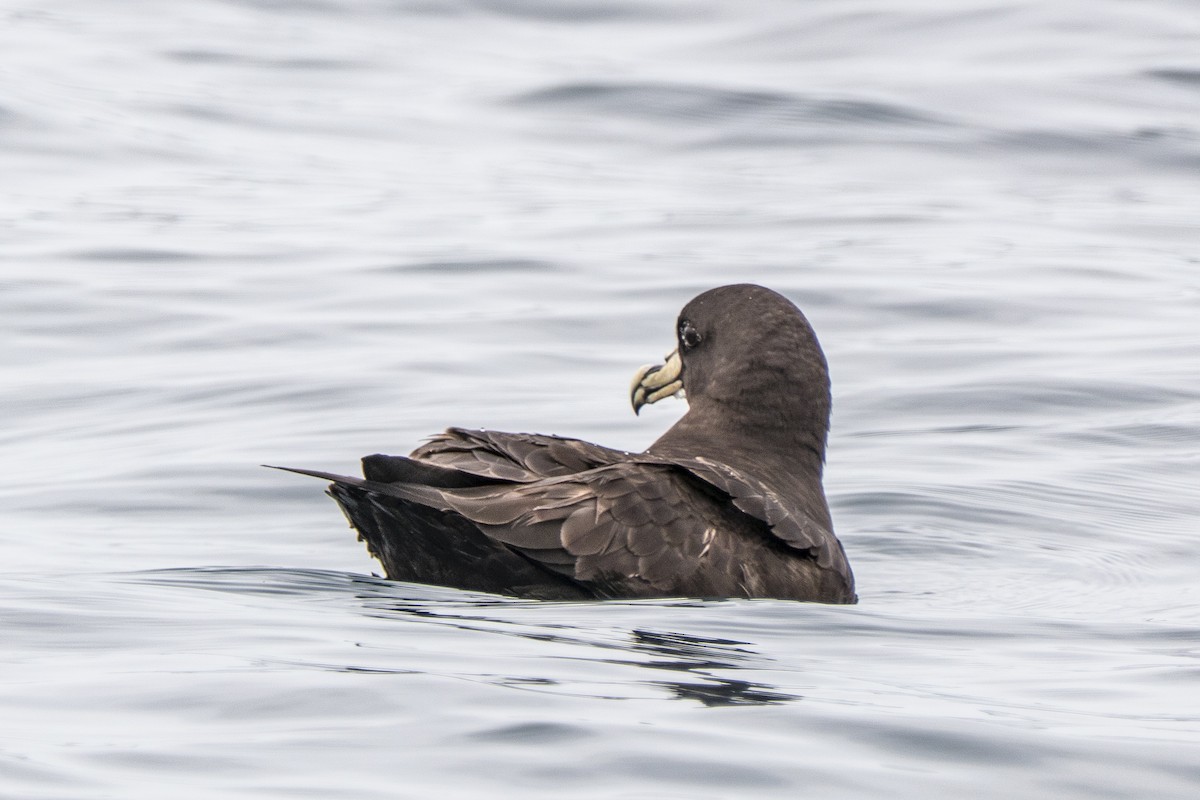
235, 233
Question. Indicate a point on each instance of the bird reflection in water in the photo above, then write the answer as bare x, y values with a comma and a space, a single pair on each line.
697, 659
690, 667
698, 665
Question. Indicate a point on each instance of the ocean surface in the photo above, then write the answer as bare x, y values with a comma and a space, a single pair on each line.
237, 232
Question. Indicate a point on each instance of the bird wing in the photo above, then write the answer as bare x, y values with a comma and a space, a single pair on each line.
642, 526
594, 514
615, 524
794, 527
515, 457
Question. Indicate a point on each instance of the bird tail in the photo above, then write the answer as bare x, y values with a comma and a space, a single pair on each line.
418, 539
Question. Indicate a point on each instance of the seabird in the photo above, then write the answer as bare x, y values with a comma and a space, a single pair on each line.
727, 503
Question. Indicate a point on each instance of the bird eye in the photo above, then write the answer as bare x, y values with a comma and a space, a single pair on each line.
689, 337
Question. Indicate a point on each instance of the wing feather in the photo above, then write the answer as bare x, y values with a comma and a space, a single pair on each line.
620, 522
796, 529
514, 457
581, 536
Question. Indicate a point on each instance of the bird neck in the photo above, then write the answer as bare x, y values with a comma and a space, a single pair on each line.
777, 452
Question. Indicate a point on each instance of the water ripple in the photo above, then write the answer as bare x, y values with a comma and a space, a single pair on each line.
675, 101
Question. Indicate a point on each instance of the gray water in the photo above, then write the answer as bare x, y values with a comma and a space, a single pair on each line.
236, 232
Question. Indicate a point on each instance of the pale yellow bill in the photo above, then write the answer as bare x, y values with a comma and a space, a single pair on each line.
653, 382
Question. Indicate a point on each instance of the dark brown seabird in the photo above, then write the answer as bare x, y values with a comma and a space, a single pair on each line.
727, 503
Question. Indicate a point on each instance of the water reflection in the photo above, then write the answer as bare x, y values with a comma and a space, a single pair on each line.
697, 662
696, 659
572, 638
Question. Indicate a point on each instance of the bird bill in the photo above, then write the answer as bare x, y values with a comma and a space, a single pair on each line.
653, 382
